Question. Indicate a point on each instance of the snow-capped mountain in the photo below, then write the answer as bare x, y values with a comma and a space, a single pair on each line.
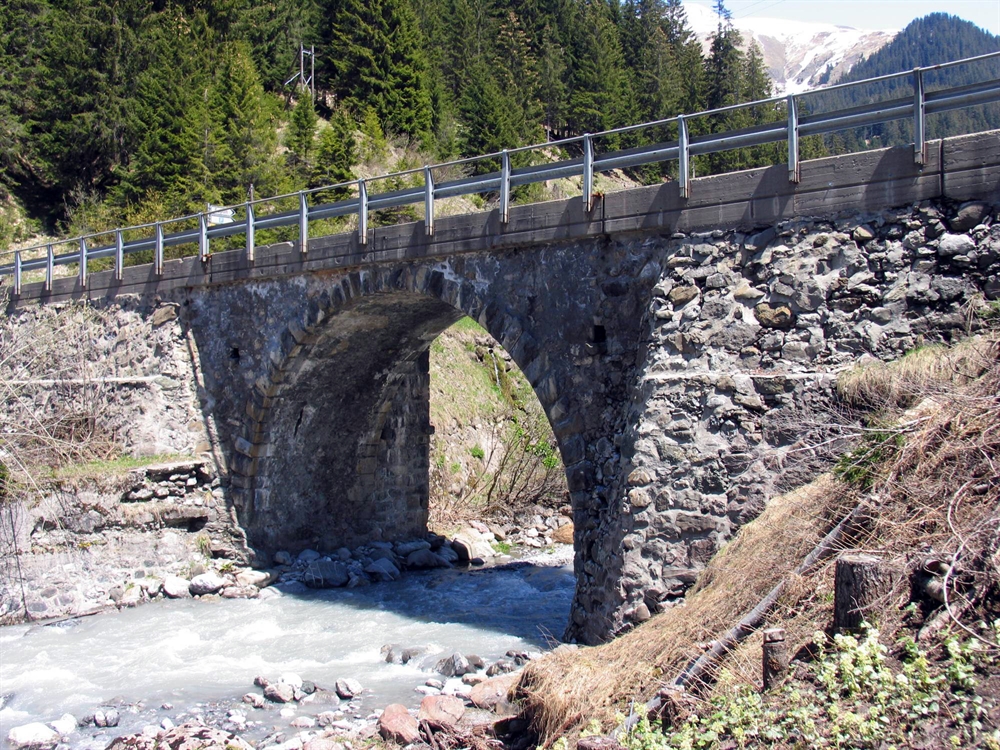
799, 54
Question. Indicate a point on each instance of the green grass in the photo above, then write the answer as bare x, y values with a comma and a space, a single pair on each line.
109, 468
468, 325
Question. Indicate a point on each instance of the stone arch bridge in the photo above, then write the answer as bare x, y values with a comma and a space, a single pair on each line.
677, 347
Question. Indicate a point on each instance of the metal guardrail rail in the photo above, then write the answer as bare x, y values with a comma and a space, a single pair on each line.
917, 107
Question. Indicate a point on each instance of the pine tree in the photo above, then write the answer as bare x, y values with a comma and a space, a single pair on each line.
82, 124
171, 99
20, 41
301, 135
336, 154
372, 58
244, 132
602, 94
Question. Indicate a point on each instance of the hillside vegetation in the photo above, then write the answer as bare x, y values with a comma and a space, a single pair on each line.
116, 112
493, 455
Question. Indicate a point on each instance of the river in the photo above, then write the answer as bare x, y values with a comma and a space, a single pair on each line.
200, 657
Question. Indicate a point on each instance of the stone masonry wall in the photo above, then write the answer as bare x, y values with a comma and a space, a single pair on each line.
746, 336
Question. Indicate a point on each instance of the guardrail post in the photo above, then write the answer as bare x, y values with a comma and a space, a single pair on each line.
362, 212
588, 173
428, 202
203, 248
119, 254
303, 223
158, 250
504, 187
682, 148
50, 264
83, 263
17, 273
794, 173
918, 116
251, 232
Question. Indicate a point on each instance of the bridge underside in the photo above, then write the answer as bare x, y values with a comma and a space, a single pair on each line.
347, 457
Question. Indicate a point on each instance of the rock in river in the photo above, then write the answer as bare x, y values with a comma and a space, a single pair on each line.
396, 724
325, 574
206, 583
34, 735
348, 688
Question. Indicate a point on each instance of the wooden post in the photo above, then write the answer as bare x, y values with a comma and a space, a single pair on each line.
861, 581
776, 658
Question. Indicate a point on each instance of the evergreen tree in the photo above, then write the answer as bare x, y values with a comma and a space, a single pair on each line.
372, 58
244, 132
301, 136
336, 154
82, 123
171, 100
602, 95
20, 40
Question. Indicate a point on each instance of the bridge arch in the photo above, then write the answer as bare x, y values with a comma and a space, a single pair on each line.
340, 419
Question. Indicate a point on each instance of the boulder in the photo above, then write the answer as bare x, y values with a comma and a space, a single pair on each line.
254, 699
403, 549
382, 569
469, 543
258, 578
326, 574
443, 710
424, 558
131, 597
955, 244
397, 725
65, 724
290, 678
106, 717
322, 743
176, 587
303, 722
279, 692
282, 558
774, 317
969, 215
348, 688
34, 735
206, 583
503, 666
493, 692
308, 556
598, 742
455, 665
185, 737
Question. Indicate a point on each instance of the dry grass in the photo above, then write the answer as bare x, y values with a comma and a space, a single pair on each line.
935, 492
598, 683
929, 369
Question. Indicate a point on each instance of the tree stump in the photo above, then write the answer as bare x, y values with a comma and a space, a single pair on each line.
861, 583
776, 658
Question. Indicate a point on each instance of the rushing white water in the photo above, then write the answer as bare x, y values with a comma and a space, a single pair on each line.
192, 654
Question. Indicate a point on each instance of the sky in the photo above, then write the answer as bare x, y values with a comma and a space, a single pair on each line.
865, 14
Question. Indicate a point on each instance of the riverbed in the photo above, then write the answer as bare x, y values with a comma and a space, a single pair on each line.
199, 657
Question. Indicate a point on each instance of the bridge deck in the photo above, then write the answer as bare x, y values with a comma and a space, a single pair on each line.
958, 168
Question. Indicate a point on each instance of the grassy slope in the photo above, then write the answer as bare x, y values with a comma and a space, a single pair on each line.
471, 415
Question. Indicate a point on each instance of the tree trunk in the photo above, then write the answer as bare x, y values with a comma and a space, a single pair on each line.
862, 583
776, 658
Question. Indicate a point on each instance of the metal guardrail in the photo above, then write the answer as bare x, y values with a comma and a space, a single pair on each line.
917, 107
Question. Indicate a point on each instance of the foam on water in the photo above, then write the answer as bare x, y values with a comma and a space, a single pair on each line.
188, 652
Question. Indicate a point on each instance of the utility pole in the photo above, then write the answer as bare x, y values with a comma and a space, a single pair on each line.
307, 83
